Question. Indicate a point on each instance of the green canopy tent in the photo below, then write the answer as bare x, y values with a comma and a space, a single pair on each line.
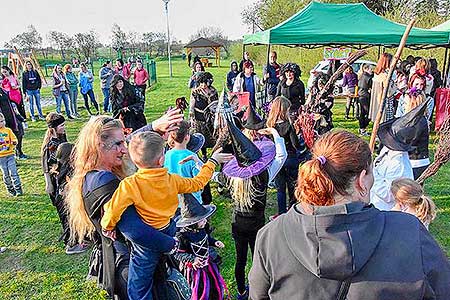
445, 27
320, 24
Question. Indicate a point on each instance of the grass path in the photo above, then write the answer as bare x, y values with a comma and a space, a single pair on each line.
35, 265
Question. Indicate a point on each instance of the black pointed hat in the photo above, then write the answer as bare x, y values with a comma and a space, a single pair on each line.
254, 121
192, 211
400, 133
244, 150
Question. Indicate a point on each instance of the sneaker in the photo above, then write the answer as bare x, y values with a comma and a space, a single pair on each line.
242, 296
42, 118
78, 115
19, 192
2, 249
22, 156
25, 125
70, 117
76, 249
12, 193
33, 119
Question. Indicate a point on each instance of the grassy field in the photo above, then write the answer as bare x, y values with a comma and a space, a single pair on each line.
35, 265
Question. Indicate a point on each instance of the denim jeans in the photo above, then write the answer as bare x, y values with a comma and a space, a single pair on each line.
143, 262
286, 179
10, 176
91, 95
35, 97
63, 97
73, 94
105, 92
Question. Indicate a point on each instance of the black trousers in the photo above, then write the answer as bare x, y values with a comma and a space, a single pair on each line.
364, 104
242, 241
91, 95
206, 195
142, 88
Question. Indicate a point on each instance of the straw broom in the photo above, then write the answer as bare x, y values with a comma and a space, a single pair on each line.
442, 154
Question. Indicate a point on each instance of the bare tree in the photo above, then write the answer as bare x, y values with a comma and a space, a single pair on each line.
119, 39
148, 40
86, 44
30, 39
214, 34
134, 41
61, 41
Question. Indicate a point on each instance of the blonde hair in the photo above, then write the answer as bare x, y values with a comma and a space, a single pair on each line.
408, 192
279, 111
414, 101
51, 132
146, 148
86, 157
242, 191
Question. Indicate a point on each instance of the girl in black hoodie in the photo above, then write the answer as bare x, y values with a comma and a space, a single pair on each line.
287, 177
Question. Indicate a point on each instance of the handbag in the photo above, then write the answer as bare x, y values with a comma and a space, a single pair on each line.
15, 96
178, 287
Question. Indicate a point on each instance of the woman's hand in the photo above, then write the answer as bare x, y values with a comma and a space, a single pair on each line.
269, 131
221, 158
168, 122
109, 234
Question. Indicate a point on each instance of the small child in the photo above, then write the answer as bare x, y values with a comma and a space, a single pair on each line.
178, 141
198, 260
62, 171
409, 197
8, 141
154, 193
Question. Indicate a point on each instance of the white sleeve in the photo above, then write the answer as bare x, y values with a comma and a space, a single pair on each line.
280, 158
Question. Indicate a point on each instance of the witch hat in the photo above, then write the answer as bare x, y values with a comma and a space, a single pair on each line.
192, 211
244, 150
254, 121
399, 134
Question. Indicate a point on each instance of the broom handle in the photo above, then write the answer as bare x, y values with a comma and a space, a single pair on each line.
394, 61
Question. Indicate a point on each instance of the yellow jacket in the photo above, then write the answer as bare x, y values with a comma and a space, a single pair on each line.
8, 141
154, 193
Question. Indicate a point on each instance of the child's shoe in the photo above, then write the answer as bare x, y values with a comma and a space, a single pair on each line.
19, 192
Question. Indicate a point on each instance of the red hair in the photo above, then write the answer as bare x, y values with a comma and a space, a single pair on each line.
248, 64
338, 157
383, 63
415, 76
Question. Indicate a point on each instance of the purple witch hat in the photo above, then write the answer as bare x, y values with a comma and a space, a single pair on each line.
251, 158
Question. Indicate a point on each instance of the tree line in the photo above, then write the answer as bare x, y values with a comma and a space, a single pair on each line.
85, 45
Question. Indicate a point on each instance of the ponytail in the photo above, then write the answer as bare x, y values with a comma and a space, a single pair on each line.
425, 210
338, 158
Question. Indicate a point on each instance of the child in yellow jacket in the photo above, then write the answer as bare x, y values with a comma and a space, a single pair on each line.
154, 193
8, 142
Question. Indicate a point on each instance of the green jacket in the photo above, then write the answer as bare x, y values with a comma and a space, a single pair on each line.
72, 80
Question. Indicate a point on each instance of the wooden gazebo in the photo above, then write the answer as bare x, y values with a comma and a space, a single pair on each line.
205, 43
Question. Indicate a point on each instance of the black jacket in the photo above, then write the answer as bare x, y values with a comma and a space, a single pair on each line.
364, 85
421, 142
134, 118
31, 81
383, 255
295, 93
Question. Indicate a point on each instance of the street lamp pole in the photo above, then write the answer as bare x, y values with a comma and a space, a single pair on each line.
166, 3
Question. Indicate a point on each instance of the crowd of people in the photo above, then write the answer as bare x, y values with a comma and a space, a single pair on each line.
139, 194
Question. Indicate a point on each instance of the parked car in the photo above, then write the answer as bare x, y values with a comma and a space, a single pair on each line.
322, 67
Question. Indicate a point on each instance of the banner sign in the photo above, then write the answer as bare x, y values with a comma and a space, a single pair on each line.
330, 53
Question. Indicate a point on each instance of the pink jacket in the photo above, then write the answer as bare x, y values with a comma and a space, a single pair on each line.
125, 72
140, 76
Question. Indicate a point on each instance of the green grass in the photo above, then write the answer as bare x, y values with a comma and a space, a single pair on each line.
35, 265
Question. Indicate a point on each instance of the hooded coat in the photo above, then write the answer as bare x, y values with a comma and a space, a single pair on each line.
354, 249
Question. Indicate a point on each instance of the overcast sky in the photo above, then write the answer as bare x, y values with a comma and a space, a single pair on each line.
72, 16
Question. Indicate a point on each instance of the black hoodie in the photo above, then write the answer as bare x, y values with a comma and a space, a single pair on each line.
384, 255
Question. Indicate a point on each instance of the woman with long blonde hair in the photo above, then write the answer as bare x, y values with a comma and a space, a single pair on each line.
410, 198
287, 177
100, 162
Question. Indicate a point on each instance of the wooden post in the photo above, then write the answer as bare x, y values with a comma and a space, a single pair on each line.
394, 61
444, 67
37, 65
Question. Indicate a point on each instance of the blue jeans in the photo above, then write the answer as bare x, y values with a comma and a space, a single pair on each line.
143, 262
35, 97
105, 92
73, 94
10, 176
91, 95
286, 179
63, 97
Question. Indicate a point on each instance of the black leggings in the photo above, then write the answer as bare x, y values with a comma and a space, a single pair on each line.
364, 103
86, 102
242, 240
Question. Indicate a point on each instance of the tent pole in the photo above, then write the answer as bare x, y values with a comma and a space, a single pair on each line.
379, 52
267, 70
243, 50
444, 67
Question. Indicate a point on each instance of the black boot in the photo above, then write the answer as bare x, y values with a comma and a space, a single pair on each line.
347, 111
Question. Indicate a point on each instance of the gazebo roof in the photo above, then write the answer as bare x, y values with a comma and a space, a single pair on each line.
202, 43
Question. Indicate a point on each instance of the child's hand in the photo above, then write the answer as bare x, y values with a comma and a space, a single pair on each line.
219, 244
109, 234
199, 263
221, 158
